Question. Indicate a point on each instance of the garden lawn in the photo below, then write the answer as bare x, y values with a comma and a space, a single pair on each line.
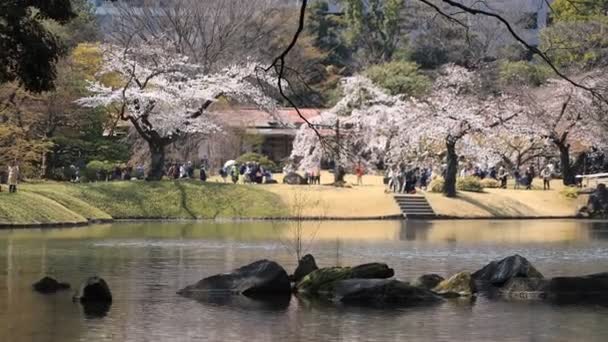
63, 202
26, 208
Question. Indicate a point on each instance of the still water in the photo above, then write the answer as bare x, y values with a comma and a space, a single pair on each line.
146, 263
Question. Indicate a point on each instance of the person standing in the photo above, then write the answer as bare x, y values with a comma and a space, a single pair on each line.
13, 177
546, 175
502, 176
234, 173
203, 174
359, 173
528, 178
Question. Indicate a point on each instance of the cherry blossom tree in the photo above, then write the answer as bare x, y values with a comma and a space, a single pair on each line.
386, 128
370, 121
164, 96
460, 116
564, 116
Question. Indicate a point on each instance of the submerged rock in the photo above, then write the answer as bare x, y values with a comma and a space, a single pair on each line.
593, 286
258, 278
306, 265
381, 292
525, 288
49, 285
94, 289
460, 284
497, 273
428, 281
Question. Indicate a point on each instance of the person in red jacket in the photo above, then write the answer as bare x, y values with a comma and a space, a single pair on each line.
359, 172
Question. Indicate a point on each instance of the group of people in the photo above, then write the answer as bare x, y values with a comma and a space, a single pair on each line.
313, 175
249, 173
523, 179
13, 177
186, 171
405, 179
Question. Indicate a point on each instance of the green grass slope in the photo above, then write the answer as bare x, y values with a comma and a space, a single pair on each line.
167, 199
24, 208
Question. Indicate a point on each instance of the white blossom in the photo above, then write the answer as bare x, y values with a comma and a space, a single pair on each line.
163, 93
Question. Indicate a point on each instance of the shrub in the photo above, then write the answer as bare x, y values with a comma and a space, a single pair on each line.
569, 192
259, 158
399, 77
97, 170
472, 184
523, 73
437, 184
490, 183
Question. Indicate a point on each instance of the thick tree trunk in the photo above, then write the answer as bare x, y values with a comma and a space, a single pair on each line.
449, 188
157, 161
568, 175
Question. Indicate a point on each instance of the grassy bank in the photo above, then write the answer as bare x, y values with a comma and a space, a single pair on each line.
48, 203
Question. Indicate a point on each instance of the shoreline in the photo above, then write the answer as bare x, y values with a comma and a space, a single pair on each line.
52, 225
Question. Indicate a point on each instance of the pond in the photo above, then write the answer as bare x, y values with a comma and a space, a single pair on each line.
146, 263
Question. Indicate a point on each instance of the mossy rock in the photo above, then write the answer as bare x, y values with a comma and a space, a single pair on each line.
321, 279
460, 284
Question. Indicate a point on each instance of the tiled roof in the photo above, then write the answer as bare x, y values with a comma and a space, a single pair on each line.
252, 117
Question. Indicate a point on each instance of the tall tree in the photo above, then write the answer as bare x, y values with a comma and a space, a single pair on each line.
562, 115
28, 50
374, 28
164, 96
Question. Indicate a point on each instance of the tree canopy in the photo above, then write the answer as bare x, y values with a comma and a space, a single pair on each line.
28, 50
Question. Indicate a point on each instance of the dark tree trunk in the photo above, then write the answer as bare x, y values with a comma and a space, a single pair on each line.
157, 161
568, 175
449, 188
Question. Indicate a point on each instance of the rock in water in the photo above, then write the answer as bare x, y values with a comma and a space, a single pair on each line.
293, 178
321, 278
428, 281
525, 288
372, 271
381, 292
305, 266
593, 286
94, 289
49, 285
497, 273
259, 278
460, 284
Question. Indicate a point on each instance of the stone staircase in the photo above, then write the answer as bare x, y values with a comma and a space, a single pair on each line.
414, 206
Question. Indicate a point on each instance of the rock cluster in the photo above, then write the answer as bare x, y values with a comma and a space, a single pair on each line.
513, 277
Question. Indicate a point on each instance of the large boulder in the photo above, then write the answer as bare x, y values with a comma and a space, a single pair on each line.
305, 266
92, 290
263, 277
293, 178
593, 286
524, 288
49, 285
322, 279
428, 281
460, 284
372, 270
497, 273
380, 292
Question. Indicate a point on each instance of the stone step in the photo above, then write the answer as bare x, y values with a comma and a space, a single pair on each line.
414, 206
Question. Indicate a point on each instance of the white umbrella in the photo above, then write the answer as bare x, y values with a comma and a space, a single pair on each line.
229, 163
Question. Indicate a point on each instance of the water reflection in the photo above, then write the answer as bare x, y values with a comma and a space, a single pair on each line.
434, 231
146, 263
